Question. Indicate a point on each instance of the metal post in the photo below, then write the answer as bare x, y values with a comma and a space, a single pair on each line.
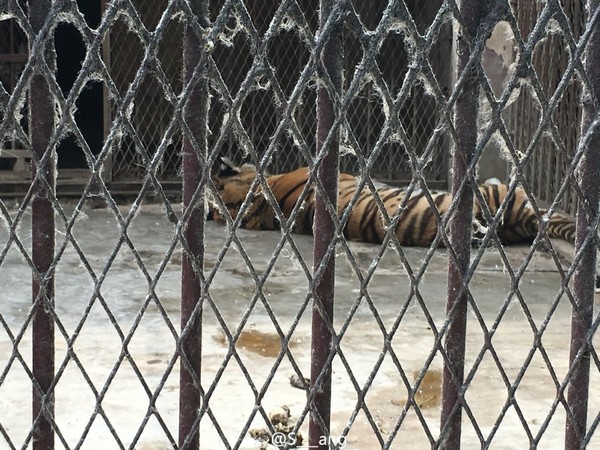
588, 174
107, 114
195, 114
324, 232
460, 231
41, 125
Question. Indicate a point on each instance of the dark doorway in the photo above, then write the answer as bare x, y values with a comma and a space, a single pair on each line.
70, 53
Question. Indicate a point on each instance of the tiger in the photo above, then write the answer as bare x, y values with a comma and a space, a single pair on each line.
417, 225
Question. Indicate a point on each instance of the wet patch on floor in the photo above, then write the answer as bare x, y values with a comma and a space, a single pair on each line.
255, 341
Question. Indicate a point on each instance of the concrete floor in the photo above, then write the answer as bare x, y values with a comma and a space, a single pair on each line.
125, 290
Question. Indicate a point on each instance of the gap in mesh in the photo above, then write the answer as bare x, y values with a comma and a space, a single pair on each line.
540, 276
168, 290
14, 40
90, 223
152, 346
424, 13
281, 393
365, 116
97, 360
487, 394
412, 362
510, 433
387, 394
540, 290
566, 113
491, 282
548, 63
352, 56
70, 155
234, 61
125, 288
389, 286
75, 401
423, 105
15, 392
257, 345
262, 14
393, 49
74, 290
88, 103
431, 152
126, 402
216, 118
233, 286
153, 436
555, 431
386, 288
287, 53
536, 393
362, 345
15, 272
126, 50
15, 163
70, 53
547, 155
259, 116
231, 402
556, 339
370, 13
593, 399
155, 248
99, 436
412, 430
288, 271
151, 116
512, 341
497, 57
170, 49
288, 155
414, 332
306, 117
361, 435
234, 289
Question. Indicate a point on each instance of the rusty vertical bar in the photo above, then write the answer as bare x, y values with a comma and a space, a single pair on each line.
324, 232
460, 230
196, 116
41, 124
107, 166
587, 174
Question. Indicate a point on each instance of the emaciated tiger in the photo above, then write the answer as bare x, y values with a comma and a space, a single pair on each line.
417, 225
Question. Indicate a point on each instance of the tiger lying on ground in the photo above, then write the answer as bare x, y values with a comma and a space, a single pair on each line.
417, 225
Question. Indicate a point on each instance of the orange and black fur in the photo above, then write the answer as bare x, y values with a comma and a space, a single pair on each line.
417, 225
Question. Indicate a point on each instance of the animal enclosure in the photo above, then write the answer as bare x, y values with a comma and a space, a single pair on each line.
128, 319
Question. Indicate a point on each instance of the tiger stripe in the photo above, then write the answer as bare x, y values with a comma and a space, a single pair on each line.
417, 224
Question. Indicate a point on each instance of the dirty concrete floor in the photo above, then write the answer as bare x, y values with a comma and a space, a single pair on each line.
142, 292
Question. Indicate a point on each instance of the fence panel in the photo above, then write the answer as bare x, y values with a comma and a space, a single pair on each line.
160, 321
587, 219
42, 231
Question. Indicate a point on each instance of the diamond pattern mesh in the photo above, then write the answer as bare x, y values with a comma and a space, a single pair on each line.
551, 62
287, 55
107, 282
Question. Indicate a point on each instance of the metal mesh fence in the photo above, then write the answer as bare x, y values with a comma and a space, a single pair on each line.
13, 55
551, 158
143, 325
287, 55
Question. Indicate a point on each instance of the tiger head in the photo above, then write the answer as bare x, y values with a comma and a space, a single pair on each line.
233, 184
